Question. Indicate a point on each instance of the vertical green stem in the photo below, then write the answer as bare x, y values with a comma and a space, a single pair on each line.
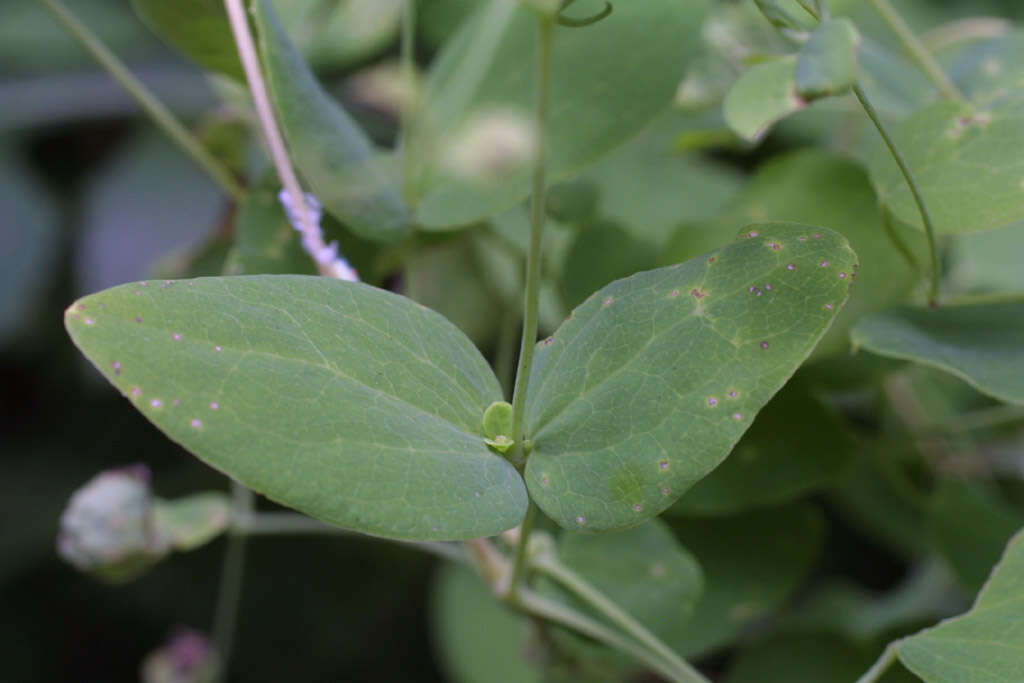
229, 592
917, 49
879, 668
519, 565
531, 300
409, 104
596, 599
149, 103
922, 207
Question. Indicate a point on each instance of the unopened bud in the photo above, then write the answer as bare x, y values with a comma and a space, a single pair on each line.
384, 87
187, 657
108, 528
492, 146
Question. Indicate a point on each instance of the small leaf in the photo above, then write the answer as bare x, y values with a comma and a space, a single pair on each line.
351, 404
334, 155
608, 81
764, 94
783, 543
192, 521
644, 570
982, 343
653, 379
498, 419
197, 28
965, 162
827, 63
986, 643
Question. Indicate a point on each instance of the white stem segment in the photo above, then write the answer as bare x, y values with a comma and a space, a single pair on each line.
296, 202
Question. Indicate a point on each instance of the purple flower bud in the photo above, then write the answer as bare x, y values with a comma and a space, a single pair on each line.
187, 657
107, 529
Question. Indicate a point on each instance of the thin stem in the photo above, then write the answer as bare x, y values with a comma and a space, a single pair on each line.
917, 49
311, 236
531, 299
879, 668
555, 612
519, 565
149, 103
922, 208
596, 599
229, 591
408, 105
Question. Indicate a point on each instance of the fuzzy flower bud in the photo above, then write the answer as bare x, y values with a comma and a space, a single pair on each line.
188, 657
492, 146
108, 528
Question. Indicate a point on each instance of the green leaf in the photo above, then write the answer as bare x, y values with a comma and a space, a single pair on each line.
334, 155
965, 162
479, 640
351, 404
265, 241
970, 524
192, 521
827, 63
982, 343
764, 94
986, 643
653, 379
199, 29
602, 251
644, 570
608, 81
990, 70
818, 188
802, 657
795, 446
782, 544
987, 262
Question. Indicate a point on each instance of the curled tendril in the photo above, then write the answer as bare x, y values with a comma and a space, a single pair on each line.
585, 21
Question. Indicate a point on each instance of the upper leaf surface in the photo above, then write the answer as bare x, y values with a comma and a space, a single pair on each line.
608, 80
982, 343
985, 644
343, 401
330, 150
827, 64
764, 94
652, 380
965, 161
198, 28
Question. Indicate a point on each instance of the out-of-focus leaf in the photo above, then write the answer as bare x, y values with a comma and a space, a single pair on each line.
986, 643
601, 252
30, 233
330, 150
827, 63
266, 242
349, 403
697, 348
806, 657
982, 343
192, 521
795, 446
199, 29
784, 543
987, 262
603, 90
965, 162
764, 94
970, 524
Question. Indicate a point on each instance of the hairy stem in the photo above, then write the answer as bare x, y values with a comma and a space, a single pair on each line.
879, 668
229, 591
555, 612
149, 103
596, 599
917, 50
311, 235
531, 299
922, 207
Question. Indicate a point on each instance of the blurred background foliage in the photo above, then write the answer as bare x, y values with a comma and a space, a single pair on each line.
91, 195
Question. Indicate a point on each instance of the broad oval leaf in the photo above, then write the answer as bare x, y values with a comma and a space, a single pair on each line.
827, 63
764, 94
333, 154
349, 403
965, 161
197, 28
982, 343
608, 81
653, 379
986, 643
